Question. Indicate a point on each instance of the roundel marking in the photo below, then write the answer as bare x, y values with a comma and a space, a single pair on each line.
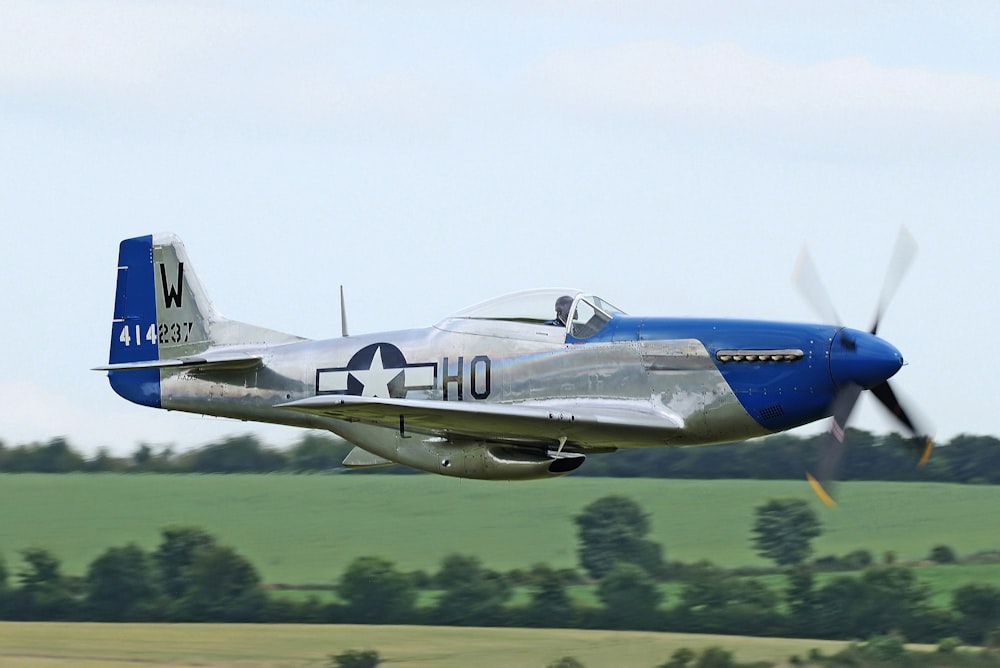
377, 370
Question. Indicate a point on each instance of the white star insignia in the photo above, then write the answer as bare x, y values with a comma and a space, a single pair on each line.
376, 378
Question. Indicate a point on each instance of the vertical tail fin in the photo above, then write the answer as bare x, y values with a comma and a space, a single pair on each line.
162, 312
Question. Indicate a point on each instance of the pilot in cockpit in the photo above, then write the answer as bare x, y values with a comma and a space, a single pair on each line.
563, 305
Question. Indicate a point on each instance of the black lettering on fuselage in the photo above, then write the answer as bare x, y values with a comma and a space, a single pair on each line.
457, 375
447, 378
479, 370
172, 293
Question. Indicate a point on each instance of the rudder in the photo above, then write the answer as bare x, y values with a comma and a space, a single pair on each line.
184, 313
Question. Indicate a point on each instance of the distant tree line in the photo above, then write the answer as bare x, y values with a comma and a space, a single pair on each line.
964, 459
191, 577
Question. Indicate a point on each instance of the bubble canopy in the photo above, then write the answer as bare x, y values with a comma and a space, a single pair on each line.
590, 312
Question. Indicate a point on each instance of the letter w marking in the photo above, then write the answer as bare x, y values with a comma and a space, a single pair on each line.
172, 293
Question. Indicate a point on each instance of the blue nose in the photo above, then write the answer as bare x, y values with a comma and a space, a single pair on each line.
862, 358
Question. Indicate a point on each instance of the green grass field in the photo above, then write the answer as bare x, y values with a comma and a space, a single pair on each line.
41, 645
306, 529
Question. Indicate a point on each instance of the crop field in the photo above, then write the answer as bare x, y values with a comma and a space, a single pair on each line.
82, 645
301, 529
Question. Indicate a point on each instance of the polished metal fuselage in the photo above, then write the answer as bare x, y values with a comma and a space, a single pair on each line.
671, 390
497, 391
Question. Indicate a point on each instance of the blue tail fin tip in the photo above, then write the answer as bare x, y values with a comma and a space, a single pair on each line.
134, 336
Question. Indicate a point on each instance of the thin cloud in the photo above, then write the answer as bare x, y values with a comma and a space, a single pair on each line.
723, 85
109, 46
204, 64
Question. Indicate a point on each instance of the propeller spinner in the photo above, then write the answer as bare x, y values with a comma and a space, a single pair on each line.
859, 361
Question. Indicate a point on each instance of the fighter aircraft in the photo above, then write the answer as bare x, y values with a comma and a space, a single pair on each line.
523, 386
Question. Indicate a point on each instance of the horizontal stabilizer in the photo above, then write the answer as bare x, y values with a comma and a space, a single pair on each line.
216, 360
361, 458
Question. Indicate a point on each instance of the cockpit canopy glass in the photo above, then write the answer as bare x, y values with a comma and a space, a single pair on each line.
590, 313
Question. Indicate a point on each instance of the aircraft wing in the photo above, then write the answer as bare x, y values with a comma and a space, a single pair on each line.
593, 423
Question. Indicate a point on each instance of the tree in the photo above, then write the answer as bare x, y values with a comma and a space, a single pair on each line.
857, 560
883, 600
44, 593
714, 657
566, 662
221, 586
142, 456
175, 554
550, 606
473, 595
943, 554
236, 454
3, 582
53, 457
103, 462
613, 529
894, 601
41, 568
630, 597
457, 568
836, 609
355, 658
316, 452
121, 585
376, 593
978, 607
800, 596
717, 601
681, 658
890, 647
784, 529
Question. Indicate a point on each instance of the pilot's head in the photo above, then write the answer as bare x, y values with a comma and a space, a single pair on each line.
563, 305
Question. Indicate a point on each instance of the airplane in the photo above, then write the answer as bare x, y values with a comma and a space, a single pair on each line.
513, 388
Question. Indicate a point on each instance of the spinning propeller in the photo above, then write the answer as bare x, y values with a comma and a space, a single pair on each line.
860, 361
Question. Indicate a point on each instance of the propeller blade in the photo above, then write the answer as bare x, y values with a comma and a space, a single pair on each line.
832, 448
883, 392
902, 258
807, 280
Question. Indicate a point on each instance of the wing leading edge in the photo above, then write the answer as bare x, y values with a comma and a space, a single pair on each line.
585, 423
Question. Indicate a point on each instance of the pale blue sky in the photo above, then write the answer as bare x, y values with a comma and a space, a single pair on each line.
672, 157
